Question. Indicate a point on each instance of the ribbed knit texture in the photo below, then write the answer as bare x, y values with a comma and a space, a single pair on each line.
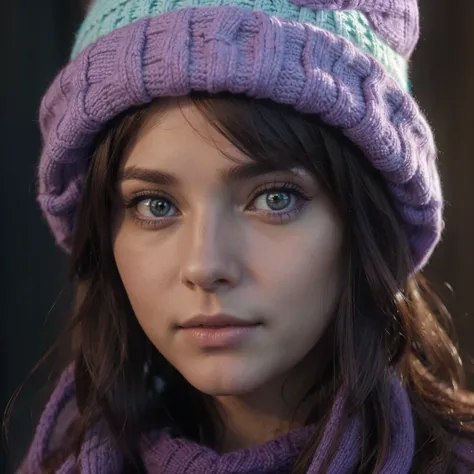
353, 25
239, 50
164, 454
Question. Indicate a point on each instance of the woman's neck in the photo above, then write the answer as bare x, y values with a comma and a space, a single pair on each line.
247, 425
273, 409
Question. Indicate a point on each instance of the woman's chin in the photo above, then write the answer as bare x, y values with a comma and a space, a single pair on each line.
227, 387
224, 382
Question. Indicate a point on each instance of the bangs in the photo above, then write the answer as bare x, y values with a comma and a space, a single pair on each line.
267, 132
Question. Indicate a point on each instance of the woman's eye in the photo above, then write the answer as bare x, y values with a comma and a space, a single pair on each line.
151, 208
280, 202
274, 200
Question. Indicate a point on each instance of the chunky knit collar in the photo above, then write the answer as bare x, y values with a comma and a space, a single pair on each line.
167, 454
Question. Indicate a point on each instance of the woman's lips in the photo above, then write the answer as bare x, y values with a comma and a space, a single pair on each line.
218, 337
218, 330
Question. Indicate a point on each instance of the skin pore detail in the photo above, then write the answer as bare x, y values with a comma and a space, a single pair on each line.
199, 234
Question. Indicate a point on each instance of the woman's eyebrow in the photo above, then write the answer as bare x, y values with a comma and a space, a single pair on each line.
230, 175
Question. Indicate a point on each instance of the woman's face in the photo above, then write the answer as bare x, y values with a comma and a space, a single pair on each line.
198, 235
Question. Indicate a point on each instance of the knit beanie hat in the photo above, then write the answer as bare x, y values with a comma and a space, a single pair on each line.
344, 60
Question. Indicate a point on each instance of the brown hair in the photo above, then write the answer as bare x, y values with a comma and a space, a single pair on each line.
384, 320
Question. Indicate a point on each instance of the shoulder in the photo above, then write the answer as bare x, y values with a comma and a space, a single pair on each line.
54, 422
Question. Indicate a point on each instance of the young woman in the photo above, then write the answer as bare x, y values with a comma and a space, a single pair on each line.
248, 194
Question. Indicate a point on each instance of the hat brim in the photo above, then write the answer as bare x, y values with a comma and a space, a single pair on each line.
233, 49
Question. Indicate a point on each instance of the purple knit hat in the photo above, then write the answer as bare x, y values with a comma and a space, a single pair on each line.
344, 60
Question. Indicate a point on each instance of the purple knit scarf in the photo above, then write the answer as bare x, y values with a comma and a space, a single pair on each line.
164, 454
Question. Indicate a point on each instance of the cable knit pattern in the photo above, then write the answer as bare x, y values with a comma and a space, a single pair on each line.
240, 51
397, 21
353, 25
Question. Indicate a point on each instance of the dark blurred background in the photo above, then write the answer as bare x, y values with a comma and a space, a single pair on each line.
35, 40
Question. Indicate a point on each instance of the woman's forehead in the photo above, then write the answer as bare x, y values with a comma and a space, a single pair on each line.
178, 138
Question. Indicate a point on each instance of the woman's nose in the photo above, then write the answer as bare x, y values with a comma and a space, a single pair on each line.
211, 254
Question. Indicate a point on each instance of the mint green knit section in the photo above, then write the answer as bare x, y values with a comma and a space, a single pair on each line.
108, 15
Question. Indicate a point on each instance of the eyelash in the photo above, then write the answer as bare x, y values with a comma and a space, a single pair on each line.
272, 187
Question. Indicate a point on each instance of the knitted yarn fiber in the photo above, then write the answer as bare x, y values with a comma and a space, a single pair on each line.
344, 60
166, 454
